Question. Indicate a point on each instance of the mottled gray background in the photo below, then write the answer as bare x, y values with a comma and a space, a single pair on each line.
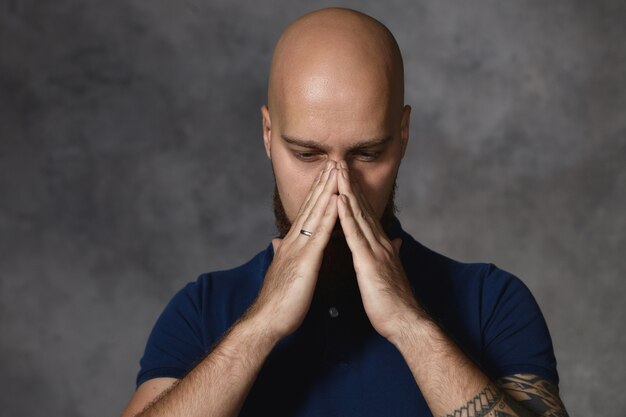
131, 161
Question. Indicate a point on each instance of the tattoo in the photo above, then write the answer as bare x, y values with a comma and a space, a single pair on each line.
482, 404
532, 393
518, 410
518, 395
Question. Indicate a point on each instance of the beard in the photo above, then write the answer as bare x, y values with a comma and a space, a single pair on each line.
337, 277
283, 224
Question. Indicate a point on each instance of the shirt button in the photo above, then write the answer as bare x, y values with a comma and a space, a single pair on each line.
333, 312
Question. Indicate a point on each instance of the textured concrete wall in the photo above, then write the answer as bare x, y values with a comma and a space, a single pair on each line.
131, 161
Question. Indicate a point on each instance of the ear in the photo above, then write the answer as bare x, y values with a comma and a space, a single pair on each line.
267, 130
404, 127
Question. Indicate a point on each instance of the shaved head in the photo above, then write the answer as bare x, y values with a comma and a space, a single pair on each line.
335, 92
332, 57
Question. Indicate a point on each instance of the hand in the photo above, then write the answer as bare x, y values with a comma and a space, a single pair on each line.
290, 280
386, 293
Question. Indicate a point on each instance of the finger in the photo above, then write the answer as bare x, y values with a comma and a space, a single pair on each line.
276, 243
315, 188
358, 193
360, 215
365, 204
356, 188
357, 241
325, 226
318, 209
312, 189
310, 201
377, 229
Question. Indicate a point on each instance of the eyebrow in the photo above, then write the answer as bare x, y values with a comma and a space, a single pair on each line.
311, 144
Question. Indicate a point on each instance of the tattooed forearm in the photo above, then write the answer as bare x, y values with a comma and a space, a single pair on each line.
508, 407
515, 396
534, 393
481, 405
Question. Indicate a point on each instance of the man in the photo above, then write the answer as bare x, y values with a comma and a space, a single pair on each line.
346, 314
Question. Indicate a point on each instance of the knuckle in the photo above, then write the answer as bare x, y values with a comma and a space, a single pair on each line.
384, 252
289, 237
314, 239
360, 236
386, 244
315, 212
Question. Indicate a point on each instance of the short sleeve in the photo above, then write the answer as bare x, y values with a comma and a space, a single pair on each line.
515, 335
175, 344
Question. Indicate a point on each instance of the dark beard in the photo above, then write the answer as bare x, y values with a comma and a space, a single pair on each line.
337, 278
283, 224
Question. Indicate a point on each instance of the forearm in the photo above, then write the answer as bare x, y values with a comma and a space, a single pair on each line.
219, 384
451, 383
444, 374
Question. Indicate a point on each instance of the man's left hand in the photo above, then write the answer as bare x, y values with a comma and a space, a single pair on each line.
385, 290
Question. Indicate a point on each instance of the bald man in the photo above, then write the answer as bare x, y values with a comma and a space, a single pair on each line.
345, 314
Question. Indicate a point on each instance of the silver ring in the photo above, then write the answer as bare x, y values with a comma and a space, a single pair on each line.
306, 233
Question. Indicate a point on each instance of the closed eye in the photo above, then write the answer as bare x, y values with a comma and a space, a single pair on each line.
306, 156
367, 156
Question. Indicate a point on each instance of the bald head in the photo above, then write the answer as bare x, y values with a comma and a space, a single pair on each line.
336, 93
335, 58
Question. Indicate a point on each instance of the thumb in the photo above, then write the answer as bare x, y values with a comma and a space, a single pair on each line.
396, 243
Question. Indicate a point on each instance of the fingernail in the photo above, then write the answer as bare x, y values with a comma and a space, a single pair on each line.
344, 173
344, 165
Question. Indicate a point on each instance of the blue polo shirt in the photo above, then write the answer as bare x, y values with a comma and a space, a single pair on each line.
336, 364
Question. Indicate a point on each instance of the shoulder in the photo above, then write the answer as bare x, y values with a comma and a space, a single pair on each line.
441, 270
197, 316
216, 285
490, 311
478, 286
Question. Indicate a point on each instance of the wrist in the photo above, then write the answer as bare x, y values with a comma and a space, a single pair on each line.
413, 327
260, 323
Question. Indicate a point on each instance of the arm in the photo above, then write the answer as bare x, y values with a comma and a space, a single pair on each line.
454, 386
534, 393
219, 384
450, 382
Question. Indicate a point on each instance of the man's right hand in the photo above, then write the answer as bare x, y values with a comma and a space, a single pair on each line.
218, 385
290, 281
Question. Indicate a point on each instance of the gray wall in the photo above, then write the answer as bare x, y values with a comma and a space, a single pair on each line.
131, 161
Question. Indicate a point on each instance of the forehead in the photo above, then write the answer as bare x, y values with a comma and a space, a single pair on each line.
322, 106
329, 144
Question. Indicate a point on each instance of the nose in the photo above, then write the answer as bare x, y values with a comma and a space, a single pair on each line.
342, 164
